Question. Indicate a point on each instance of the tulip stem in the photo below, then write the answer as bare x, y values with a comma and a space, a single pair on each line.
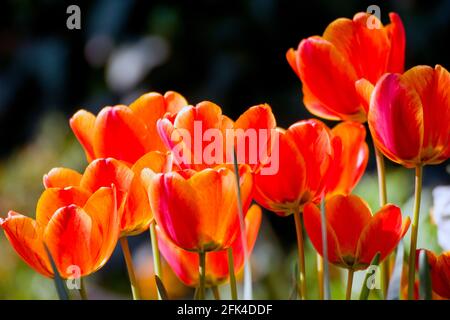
324, 276
234, 295
155, 251
83, 293
382, 193
320, 275
130, 268
301, 253
202, 274
216, 292
348, 294
414, 232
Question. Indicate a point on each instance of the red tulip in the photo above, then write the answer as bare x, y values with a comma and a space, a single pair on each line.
351, 154
134, 210
330, 65
354, 235
125, 133
305, 154
409, 116
198, 211
79, 229
185, 264
440, 273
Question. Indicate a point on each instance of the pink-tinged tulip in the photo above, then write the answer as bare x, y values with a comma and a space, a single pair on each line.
185, 264
198, 211
354, 235
338, 68
79, 229
410, 114
125, 133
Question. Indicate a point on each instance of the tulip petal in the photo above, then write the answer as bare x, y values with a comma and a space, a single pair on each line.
82, 124
120, 134
54, 198
61, 178
382, 234
68, 237
393, 103
348, 217
396, 34
25, 235
313, 225
174, 101
440, 273
364, 90
291, 57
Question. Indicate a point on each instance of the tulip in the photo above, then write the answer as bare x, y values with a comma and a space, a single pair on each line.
354, 236
419, 99
80, 230
125, 133
351, 154
198, 211
185, 264
202, 137
339, 68
440, 273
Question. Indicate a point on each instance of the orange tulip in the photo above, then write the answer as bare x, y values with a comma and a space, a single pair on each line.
193, 131
440, 273
198, 211
409, 116
305, 154
134, 210
351, 154
338, 68
354, 235
79, 229
125, 133
185, 264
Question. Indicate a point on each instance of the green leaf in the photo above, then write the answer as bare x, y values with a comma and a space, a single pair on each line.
365, 290
161, 289
425, 292
59, 283
396, 278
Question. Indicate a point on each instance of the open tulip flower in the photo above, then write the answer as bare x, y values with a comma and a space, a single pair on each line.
305, 155
419, 100
189, 134
198, 210
440, 273
185, 264
339, 68
351, 155
125, 133
80, 230
354, 236
134, 210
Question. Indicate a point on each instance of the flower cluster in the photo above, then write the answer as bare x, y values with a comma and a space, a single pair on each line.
188, 173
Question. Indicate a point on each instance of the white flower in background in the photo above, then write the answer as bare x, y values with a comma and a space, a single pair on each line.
441, 214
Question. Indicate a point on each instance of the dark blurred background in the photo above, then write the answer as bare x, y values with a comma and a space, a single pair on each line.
229, 53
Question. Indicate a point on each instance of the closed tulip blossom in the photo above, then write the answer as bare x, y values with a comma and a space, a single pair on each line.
185, 264
122, 132
80, 230
351, 155
440, 273
354, 235
339, 68
419, 100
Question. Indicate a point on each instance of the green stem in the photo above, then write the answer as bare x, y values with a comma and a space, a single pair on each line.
382, 193
320, 265
155, 250
326, 290
348, 294
83, 293
301, 253
202, 274
130, 268
216, 292
414, 232
234, 295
